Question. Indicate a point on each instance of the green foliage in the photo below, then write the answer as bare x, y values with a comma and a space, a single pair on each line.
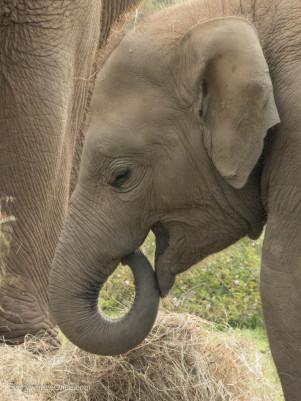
224, 288
118, 292
259, 338
153, 5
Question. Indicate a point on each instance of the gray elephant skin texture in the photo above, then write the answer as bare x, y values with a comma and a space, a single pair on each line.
186, 140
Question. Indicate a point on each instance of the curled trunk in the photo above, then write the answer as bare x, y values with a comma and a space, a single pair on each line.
73, 293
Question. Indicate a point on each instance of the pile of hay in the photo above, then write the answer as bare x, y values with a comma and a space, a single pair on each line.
183, 359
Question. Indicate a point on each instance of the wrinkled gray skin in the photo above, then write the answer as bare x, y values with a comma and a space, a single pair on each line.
47, 67
178, 144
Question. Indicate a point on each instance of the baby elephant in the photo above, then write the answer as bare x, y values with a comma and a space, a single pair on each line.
185, 141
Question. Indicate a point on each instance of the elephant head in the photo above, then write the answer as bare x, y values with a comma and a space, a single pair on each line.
178, 125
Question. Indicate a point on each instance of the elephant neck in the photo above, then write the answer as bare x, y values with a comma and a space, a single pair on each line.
245, 205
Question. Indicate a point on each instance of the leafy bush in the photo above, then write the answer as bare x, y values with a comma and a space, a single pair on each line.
224, 288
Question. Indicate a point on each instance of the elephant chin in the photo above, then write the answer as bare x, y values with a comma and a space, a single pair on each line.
74, 307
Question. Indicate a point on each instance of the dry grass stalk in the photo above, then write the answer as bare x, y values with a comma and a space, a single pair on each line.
183, 359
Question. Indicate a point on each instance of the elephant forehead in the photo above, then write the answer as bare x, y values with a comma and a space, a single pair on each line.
117, 138
139, 57
131, 129
120, 105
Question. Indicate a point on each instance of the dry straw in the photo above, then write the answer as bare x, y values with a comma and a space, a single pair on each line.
184, 359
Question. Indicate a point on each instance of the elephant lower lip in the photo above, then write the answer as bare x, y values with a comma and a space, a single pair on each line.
162, 239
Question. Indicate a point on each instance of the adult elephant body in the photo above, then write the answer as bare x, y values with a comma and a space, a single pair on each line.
185, 140
48, 53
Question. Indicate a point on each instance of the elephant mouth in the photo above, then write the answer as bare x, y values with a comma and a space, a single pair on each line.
163, 269
162, 239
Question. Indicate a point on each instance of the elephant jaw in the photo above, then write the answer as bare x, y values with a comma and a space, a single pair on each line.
180, 246
167, 266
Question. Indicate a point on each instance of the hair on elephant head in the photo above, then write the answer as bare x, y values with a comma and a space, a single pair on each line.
178, 125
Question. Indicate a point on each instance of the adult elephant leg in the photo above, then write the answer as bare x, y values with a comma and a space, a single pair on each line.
281, 297
281, 260
47, 71
46, 59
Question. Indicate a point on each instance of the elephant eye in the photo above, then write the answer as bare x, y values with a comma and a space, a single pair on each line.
121, 177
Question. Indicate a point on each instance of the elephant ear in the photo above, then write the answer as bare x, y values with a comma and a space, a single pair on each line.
229, 77
235, 148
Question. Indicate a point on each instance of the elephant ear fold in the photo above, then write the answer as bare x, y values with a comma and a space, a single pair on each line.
271, 116
235, 150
